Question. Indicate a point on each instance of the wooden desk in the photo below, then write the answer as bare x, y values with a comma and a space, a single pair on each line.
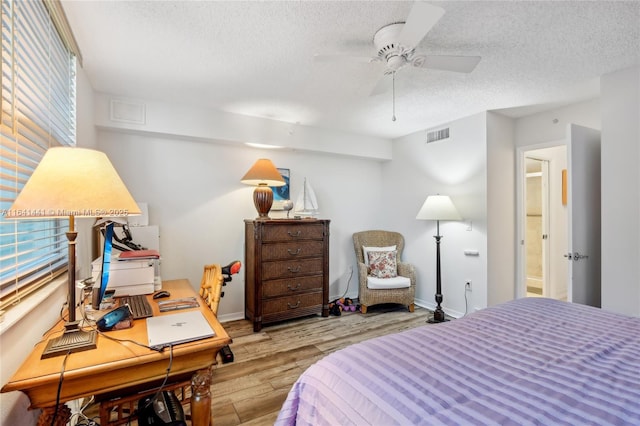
114, 366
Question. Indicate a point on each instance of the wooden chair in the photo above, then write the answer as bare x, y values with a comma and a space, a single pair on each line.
369, 296
214, 278
211, 286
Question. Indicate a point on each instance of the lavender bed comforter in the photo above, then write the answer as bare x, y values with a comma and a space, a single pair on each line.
532, 361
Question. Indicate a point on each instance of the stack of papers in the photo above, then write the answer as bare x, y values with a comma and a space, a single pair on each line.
175, 304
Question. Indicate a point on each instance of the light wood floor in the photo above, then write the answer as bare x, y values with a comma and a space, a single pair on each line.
251, 390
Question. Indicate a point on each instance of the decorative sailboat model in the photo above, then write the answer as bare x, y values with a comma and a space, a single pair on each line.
306, 203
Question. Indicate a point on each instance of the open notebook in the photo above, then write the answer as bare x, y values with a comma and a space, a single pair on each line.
183, 327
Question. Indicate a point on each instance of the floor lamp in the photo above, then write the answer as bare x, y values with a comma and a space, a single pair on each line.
438, 207
73, 182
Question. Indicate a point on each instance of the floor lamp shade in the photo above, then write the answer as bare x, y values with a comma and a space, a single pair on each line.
73, 182
438, 207
263, 175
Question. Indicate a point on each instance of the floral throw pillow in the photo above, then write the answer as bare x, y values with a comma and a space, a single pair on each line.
382, 264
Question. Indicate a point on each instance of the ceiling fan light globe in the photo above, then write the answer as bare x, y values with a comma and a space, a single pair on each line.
395, 62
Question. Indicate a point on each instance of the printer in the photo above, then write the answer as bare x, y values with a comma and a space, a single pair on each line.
126, 277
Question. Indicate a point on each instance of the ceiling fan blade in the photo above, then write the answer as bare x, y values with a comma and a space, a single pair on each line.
383, 85
450, 63
343, 58
421, 19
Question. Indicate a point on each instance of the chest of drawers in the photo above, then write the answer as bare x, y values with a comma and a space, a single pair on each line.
286, 269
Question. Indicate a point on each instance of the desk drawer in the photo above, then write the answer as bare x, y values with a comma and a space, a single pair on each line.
291, 268
292, 250
291, 306
288, 232
275, 288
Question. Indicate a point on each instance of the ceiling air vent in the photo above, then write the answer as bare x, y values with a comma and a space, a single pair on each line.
437, 135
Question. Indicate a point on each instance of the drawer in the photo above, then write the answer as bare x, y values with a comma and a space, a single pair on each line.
276, 288
292, 250
291, 304
288, 232
291, 268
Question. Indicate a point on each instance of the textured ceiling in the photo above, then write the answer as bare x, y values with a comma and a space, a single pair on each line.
257, 57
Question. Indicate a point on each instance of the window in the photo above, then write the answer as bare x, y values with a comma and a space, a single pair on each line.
38, 112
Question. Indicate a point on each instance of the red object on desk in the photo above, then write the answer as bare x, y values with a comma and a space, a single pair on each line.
139, 254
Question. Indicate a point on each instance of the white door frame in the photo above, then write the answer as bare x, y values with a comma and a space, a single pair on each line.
521, 268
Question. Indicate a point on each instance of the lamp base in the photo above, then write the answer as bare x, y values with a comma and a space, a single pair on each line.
74, 339
438, 316
263, 200
433, 320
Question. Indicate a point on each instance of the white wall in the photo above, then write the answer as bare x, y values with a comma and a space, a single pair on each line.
193, 123
621, 191
500, 201
551, 125
454, 167
195, 196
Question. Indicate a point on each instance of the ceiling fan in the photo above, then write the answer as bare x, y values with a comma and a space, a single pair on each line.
396, 46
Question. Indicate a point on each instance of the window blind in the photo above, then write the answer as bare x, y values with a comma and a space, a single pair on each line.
38, 112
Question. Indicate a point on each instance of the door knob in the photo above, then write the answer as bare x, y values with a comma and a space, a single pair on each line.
577, 256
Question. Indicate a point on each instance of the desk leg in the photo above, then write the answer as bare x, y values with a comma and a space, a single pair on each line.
48, 413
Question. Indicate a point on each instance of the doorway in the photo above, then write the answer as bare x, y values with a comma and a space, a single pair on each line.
536, 226
543, 222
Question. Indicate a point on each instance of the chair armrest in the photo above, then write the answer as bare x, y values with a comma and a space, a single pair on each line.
407, 270
362, 269
362, 273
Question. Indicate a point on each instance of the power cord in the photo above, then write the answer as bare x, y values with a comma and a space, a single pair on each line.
166, 378
87, 421
348, 283
64, 365
91, 324
82, 419
466, 302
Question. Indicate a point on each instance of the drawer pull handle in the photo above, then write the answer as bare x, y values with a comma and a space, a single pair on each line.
294, 253
291, 234
290, 287
290, 306
294, 270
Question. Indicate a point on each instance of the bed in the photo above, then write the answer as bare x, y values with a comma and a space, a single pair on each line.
531, 361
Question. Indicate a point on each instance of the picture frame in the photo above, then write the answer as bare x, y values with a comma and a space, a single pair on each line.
564, 187
281, 193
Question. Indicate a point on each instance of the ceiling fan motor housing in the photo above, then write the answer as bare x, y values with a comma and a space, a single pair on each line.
389, 50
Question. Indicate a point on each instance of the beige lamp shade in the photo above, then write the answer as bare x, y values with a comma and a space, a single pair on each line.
438, 207
263, 174
74, 182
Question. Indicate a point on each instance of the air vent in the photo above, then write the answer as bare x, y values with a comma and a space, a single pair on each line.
127, 111
437, 135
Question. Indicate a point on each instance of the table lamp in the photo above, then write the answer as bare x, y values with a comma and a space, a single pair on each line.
263, 174
73, 182
438, 207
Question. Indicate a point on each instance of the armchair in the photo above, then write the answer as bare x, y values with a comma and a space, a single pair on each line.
376, 290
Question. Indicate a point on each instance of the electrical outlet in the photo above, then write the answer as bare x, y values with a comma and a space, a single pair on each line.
467, 285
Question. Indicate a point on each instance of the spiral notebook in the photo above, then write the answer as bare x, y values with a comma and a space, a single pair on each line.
183, 327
